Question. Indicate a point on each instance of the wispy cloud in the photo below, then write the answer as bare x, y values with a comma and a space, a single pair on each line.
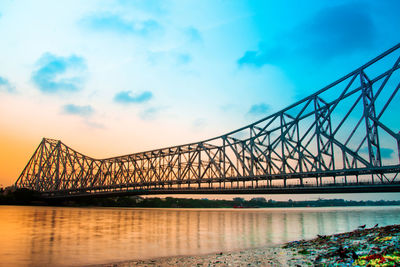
83, 111
170, 57
94, 125
337, 30
199, 123
126, 97
183, 58
118, 24
333, 31
258, 109
56, 73
157, 7
193, 34
151, 113
255, 58
386, 153
6, 86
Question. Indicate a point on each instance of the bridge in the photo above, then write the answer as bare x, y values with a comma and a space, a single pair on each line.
343, 138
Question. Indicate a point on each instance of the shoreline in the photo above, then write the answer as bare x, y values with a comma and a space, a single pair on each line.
261, 256
363, 246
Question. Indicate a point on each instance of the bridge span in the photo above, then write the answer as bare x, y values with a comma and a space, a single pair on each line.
343, 138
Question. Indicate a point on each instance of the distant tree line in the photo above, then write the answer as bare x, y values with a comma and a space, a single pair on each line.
11, 196
28, 197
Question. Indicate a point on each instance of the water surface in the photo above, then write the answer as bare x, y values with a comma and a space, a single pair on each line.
57, 236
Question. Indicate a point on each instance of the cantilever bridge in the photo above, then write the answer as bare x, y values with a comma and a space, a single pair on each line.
343, 138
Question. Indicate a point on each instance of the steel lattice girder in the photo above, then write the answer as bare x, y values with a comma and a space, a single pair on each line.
334, 135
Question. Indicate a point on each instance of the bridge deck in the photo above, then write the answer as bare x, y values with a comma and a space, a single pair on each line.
327, 189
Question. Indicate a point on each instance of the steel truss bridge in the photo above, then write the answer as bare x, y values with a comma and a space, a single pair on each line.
343, 138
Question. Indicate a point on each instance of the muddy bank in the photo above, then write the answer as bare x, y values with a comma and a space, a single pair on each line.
275, 256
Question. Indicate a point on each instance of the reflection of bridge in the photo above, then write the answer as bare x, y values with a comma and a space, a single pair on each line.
343, 138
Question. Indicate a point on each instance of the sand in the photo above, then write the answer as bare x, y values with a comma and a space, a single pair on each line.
266, 256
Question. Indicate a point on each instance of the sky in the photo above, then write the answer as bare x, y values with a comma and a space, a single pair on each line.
116, 77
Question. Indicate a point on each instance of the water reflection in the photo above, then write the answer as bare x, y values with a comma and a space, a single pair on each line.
39, 236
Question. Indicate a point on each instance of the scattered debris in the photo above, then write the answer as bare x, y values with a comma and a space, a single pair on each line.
361, 247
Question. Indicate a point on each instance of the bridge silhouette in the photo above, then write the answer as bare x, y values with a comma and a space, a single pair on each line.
343, 138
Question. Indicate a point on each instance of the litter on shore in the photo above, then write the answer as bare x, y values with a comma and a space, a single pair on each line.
376, 246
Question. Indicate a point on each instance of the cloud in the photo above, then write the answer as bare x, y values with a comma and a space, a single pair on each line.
126, 97
157, 7
386, 153
183, 58
83, 111
337, 30
6, 86
94, 125
56, 74
199, 123
150, 113
333, 31
169, 57
193, 34
118, 24
258, 109
256, 58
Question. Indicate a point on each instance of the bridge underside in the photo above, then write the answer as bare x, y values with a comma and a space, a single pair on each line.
345, 138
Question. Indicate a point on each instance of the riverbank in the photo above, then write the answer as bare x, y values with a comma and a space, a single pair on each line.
376, 246
268, 256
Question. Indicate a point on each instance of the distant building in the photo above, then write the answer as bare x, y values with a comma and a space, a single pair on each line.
259, 199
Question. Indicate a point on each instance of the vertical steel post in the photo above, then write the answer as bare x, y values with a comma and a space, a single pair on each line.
370, 125
283, 167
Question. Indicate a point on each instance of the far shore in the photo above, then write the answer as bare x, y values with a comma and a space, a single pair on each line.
32, 198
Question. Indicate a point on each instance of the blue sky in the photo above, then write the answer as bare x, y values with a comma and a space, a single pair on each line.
117, 77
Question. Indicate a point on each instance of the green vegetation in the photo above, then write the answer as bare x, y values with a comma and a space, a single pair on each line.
304, 252
17, 197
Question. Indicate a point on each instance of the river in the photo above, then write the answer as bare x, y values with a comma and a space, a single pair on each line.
61, 236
